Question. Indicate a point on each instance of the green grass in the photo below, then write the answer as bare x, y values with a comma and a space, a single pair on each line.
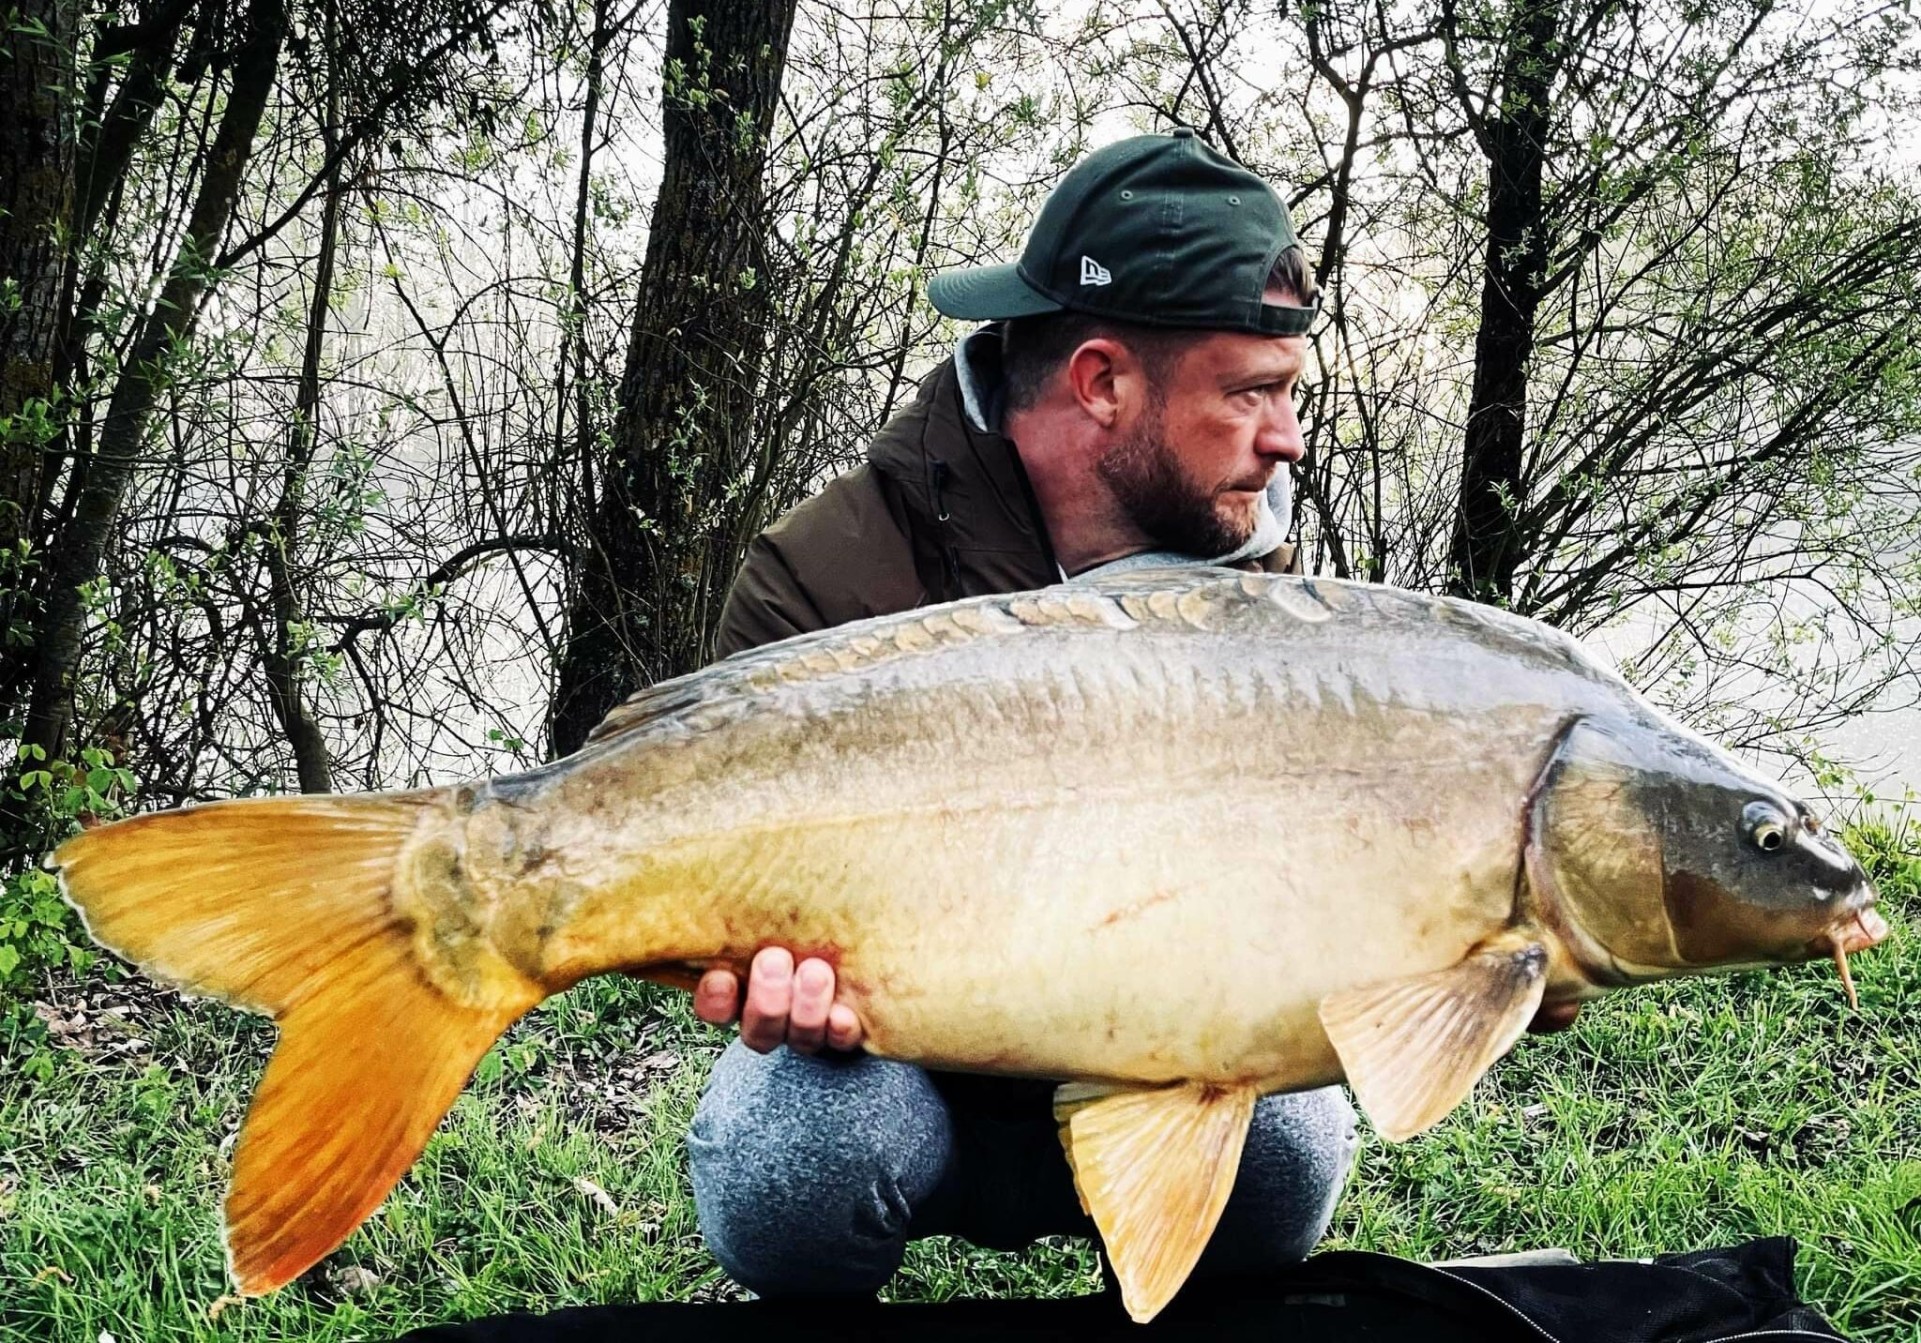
1670, 1118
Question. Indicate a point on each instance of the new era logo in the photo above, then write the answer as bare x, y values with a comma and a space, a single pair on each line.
1093, 272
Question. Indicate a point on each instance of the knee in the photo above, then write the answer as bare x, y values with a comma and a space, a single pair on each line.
1307, 1139
1300, 1150
806, 1171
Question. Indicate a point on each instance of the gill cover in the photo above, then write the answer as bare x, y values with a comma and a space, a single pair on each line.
1594, 854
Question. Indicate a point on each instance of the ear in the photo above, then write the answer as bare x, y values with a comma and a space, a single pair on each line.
1105, 380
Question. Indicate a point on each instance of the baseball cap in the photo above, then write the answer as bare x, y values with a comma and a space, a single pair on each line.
1162, 230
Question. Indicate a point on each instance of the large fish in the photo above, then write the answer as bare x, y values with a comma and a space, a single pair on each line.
1176, 839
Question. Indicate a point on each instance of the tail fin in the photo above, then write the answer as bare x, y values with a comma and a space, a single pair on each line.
284, 906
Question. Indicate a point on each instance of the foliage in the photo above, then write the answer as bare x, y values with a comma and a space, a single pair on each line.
37, 929
40, 935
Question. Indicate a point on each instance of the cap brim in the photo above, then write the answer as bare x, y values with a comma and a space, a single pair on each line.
987, 294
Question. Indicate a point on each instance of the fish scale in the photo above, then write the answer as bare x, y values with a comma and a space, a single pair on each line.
1175, 839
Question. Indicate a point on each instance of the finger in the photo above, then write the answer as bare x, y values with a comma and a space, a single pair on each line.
770, 993
843, 1027
717, 997
813, 995
1554, 1017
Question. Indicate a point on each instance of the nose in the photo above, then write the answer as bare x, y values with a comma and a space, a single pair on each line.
1280, 437
1838, 870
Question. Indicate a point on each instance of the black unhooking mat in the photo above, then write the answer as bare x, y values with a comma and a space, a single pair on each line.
1744, 1292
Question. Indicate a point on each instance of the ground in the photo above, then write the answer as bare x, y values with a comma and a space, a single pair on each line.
1670, 1118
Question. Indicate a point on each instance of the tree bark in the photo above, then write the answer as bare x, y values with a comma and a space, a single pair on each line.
77, 554
1488, 545
573, 352
106, 149
37, 152
650, 578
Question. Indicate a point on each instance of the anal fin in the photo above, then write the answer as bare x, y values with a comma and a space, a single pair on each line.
1154, 1169
1413, 1048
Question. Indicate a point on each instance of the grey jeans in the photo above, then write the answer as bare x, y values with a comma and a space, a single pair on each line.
811, 1174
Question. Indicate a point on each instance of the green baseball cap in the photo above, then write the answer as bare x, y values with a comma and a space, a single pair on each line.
1162, 230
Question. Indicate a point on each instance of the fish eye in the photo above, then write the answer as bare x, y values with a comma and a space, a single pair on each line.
1766, 827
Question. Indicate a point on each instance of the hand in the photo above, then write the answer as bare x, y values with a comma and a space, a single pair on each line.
1554, 1017
785, 1004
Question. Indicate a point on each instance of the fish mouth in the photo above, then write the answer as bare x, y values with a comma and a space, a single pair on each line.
1862, 929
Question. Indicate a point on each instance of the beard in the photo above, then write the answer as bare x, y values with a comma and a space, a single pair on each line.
1147, 482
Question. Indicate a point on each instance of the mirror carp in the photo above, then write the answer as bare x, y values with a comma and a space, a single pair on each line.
1175, 839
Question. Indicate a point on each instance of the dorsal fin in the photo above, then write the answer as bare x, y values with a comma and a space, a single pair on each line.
1117, 602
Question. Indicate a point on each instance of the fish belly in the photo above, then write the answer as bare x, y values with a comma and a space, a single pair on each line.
1123, 858
1115, 934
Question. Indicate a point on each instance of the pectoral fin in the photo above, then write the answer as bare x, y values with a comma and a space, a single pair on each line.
1413, 1048
1154, 1169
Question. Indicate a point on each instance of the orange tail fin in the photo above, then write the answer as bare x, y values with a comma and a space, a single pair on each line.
284, 906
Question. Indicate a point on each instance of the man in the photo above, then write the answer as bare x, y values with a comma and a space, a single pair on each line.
1132, 404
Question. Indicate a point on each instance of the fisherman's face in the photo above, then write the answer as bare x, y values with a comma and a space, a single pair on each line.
1191, 470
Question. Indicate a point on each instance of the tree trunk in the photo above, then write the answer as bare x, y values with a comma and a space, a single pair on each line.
649, 581
573, 351
1488, 544
144, 54
36, 214
76, 556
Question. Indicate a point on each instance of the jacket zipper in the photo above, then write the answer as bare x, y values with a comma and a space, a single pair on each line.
940, 481
950, 559
1504, 1304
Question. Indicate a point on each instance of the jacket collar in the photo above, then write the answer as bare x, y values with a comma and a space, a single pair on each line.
977, 371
